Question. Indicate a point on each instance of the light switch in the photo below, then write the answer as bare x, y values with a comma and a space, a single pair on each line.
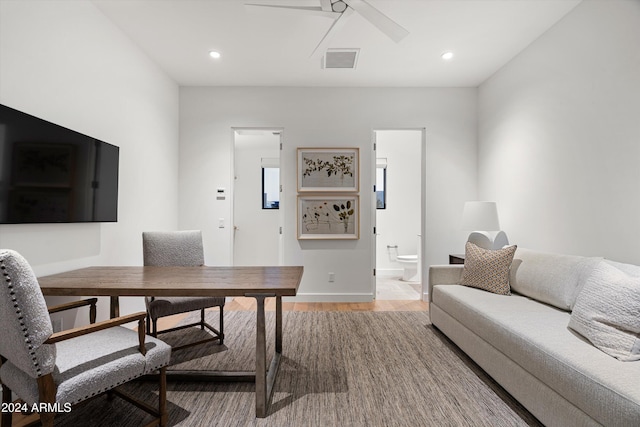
220, 194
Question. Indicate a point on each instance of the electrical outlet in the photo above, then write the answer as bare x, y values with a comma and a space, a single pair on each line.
332, 277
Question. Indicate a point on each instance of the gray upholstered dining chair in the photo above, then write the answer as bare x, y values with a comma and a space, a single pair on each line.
53, 371
178, 249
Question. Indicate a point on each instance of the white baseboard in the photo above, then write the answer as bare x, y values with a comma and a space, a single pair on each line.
309, 297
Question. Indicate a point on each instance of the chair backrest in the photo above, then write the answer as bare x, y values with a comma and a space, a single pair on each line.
173, 248
24, 317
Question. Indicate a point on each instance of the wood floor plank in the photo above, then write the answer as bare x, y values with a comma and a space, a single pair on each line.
248, 304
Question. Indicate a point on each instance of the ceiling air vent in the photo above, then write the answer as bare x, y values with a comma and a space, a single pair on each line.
340, 58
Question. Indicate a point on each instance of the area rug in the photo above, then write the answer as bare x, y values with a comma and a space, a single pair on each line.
338, 369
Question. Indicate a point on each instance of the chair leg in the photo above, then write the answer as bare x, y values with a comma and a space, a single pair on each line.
47, 394
148, 324
202, 319
7, 416
154, 332
162, 397
221, 325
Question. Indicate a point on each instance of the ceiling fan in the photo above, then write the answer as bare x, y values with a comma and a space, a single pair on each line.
340, 11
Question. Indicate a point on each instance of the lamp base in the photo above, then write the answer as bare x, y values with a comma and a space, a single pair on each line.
489, 239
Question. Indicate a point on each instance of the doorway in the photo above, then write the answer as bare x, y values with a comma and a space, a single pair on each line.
256, 211
398, 217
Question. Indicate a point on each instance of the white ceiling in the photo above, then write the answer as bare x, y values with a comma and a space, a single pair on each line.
273, 49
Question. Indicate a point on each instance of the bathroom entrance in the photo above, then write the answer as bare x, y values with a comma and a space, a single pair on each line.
398, 213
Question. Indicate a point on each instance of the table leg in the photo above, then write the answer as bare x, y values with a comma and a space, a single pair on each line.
278, 324
114, 309
261, 359
266, 378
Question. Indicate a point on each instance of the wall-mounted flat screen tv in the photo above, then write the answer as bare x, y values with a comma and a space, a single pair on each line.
51, 174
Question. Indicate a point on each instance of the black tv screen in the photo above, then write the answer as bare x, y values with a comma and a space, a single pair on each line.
51, 174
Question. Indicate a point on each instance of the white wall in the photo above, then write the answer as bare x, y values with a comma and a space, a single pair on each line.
399, 224
327, 117
63, 61
559, 141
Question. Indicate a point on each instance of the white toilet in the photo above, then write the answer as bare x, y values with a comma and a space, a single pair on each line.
410, 265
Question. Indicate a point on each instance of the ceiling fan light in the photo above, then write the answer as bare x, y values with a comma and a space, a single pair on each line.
339, 6
447, 55
214, 54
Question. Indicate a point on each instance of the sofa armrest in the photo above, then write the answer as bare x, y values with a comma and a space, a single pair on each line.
444, 275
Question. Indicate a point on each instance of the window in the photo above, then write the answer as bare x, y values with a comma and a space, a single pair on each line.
381, 184
270, 188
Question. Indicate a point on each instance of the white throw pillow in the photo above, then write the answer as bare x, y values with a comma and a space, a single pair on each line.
607, 312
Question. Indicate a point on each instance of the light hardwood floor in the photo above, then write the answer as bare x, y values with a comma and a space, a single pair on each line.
377, 305
249, 304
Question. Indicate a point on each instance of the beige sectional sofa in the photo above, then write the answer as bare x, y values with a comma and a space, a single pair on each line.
523, 341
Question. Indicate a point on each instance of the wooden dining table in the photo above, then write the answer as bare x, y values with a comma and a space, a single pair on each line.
255, 282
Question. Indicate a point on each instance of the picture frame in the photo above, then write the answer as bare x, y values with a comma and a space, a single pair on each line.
328, 216
328, 169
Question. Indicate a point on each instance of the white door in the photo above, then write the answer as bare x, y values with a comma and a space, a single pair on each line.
256, 197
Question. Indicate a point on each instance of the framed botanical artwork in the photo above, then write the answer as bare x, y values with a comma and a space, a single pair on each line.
328, 169
331, 216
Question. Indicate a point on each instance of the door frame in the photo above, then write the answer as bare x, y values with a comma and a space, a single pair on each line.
424, 273
234, 130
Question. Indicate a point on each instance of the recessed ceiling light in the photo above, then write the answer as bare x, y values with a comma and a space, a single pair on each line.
447, 55
214, 54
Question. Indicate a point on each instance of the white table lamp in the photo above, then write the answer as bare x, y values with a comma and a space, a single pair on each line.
482, 219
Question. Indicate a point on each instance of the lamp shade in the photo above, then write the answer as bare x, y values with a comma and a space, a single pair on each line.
480, 216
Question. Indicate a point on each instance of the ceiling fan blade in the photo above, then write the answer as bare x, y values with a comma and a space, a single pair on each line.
308, 10
385, 24
335, 27
326, 5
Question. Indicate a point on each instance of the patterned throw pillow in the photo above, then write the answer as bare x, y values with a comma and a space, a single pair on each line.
487, 269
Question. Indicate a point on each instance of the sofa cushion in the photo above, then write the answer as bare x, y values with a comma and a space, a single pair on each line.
536, 337
487, 269
550, 278
607, 312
